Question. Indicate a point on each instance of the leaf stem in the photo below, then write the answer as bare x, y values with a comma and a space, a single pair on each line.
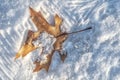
74, 32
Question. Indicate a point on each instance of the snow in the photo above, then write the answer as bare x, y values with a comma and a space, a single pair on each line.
92, 55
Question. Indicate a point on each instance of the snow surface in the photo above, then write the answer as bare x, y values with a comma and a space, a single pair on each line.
92, 55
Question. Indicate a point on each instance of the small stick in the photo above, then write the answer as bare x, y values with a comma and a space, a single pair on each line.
74, 32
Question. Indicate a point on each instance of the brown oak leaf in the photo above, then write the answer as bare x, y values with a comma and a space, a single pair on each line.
42, 25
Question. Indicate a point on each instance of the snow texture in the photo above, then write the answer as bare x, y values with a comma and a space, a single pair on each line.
92, 55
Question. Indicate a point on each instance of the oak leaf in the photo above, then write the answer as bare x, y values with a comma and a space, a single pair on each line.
43, 25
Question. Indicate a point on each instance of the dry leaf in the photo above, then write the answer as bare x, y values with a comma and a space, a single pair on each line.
43, 25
